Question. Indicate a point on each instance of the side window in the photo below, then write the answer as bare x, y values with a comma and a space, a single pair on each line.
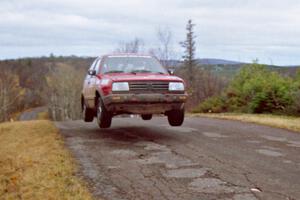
93, 65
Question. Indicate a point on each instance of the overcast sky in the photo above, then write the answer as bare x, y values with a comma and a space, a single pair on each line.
240, 30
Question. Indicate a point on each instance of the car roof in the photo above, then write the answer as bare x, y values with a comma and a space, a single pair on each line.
127, 55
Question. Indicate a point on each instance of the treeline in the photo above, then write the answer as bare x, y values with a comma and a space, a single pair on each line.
49, 81
257, 89
11, 94
63, 92
206, 83
56, 82
20, 86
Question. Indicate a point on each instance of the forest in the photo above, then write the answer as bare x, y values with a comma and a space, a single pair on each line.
56, 82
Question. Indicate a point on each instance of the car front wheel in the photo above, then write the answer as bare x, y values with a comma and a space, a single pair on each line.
103, 116
87, 113
176, 117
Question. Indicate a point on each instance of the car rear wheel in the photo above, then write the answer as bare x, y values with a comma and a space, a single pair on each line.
103, 116
87, 113
146, 117
176, 117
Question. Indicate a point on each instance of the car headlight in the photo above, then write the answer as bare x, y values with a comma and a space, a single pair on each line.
176, 86
120, 86
104, 81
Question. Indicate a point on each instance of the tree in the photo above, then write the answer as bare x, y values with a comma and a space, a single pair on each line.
63, 90
189, 46
206, 84
10, 93
134, 46
164, 50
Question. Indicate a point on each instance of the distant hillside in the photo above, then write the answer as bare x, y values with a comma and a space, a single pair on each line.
229, 68
213, 61
206, 61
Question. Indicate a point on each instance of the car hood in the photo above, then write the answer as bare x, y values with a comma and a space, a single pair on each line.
142, 77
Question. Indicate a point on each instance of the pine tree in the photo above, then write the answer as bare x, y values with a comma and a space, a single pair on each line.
190, 48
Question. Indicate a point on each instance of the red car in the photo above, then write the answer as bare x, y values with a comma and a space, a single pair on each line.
131, 84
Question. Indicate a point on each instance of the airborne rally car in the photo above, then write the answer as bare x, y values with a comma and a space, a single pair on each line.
131, 84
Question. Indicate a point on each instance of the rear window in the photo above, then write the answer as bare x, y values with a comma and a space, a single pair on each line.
130, 64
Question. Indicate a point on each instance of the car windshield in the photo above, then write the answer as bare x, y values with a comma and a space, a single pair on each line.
132, 64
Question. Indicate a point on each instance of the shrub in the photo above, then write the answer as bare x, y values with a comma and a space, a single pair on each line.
214, 104
294, 109
255, 89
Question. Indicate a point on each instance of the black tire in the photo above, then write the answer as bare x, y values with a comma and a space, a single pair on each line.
103, 116
87, 113
147, 117
176, 117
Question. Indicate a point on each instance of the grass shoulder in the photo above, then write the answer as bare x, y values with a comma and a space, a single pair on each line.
278, 121
34, 163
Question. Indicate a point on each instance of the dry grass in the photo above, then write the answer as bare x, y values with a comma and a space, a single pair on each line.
35, 165
285, 122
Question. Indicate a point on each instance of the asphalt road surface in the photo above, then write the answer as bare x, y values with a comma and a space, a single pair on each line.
32, 114
203, 159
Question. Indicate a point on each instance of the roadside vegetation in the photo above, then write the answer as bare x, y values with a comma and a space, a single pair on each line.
54, 82
35, 165
256, 89
277, 121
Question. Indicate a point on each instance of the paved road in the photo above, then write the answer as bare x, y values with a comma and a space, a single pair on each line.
203, 159
31, 114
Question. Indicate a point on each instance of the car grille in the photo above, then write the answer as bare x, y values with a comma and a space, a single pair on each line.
148, 86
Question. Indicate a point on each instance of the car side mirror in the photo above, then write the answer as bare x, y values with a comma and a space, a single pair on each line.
92, 72
171, 71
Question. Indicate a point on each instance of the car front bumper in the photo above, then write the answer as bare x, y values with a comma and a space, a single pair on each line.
144, 103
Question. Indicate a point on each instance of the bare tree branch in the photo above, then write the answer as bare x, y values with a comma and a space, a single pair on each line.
134, 46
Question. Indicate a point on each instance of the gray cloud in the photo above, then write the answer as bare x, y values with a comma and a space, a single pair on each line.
230, 29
